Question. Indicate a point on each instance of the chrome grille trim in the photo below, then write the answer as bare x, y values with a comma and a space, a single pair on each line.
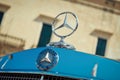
30, 76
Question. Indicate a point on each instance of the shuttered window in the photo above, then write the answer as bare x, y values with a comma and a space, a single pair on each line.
101, 46
1, 16
45, 35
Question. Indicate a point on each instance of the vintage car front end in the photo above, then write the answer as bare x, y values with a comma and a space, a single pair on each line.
71, 65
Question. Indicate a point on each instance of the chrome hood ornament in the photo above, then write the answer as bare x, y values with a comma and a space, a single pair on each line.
66, 26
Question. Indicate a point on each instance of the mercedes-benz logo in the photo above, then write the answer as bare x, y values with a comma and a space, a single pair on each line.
47, 59
65, 24
69, 24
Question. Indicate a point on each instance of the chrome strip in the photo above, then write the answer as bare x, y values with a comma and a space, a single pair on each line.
42, 78
4, 63
94, 71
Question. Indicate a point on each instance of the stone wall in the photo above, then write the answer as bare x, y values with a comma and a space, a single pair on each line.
20, 21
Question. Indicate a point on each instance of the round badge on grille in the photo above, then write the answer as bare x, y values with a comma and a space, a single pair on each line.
47, 59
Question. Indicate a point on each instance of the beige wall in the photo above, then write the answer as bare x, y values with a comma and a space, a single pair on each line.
19, 21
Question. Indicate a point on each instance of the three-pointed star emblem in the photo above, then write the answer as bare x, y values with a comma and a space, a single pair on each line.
46, 58
65, 24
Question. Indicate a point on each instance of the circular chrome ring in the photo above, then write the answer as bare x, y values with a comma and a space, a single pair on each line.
65, 24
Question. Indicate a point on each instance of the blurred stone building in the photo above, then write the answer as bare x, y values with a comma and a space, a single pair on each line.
26, 24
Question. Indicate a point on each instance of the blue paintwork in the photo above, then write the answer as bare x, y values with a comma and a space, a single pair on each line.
71, 64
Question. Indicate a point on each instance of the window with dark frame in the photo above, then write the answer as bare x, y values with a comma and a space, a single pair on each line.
101, 46
45, 35
1, 16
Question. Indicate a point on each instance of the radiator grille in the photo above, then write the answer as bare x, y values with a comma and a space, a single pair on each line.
29, 76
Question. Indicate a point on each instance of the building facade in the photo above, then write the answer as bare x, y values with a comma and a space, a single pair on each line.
28, 24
